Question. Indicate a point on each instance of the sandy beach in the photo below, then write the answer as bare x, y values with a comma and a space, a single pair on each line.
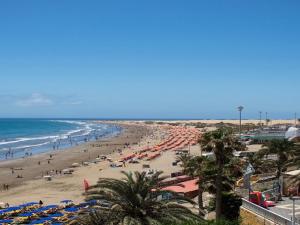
229, 121
32, 187
36, 166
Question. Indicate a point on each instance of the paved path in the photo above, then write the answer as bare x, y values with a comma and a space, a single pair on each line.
285, 208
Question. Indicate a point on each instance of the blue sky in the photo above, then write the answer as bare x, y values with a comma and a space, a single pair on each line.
149, 59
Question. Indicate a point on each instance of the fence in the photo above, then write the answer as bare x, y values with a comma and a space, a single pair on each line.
266, 214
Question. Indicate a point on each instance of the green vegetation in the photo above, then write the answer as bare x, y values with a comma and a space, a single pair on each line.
222, 143
287, 154
202, 168
230, 206
135, 200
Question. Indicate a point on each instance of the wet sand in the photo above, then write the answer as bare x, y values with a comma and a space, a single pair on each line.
71, 186
37, 166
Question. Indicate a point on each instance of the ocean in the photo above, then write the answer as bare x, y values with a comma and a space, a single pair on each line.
26, 137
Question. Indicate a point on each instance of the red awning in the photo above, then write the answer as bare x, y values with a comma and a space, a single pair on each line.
185, 187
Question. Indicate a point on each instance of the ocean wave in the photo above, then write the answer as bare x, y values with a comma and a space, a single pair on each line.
86, 129
24, 147
79, 133
27, 139
70, 122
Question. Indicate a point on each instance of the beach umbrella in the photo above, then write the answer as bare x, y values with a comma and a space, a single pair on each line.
92, 202
29, 204
84, 204
73, 218
48, 207
66, 201
56, 215
25, 214
52, 206
72, 209
10, 209
37, 211
6, 221
41, 221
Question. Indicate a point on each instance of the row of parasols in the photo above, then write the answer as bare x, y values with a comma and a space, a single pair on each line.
178, 139
35, 213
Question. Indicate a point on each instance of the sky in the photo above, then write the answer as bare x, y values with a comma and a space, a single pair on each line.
149, 59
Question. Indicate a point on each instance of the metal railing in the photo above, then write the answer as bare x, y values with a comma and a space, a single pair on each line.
266, 214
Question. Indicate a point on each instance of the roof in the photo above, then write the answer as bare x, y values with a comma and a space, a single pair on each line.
184, 187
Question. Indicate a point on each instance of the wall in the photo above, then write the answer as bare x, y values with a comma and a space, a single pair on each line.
249, 218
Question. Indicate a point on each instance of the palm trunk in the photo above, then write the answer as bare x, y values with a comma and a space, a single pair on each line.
279, 169
278, 175
200, 198
219, 192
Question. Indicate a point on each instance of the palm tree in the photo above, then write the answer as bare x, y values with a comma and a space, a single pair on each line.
185, 160
202, 168
222, 143
96, 217
260, 164
136, 200
287, 154
234, 168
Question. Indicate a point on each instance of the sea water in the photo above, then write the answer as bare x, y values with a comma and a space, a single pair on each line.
26, 137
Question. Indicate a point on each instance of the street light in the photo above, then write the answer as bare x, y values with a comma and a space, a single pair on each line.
294, 198
260, 124
240, 109
267, 119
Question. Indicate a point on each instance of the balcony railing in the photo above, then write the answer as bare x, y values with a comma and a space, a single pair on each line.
266, 214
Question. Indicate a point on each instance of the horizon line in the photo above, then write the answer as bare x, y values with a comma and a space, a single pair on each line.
138, 119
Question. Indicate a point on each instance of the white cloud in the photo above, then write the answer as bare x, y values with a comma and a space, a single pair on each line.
75, 103
35, 99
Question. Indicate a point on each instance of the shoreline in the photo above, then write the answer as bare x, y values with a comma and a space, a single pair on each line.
54, 161
136, 136
61, 138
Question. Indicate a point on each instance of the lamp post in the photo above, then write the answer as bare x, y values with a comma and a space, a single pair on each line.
240, 109
294, 199
260, 124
